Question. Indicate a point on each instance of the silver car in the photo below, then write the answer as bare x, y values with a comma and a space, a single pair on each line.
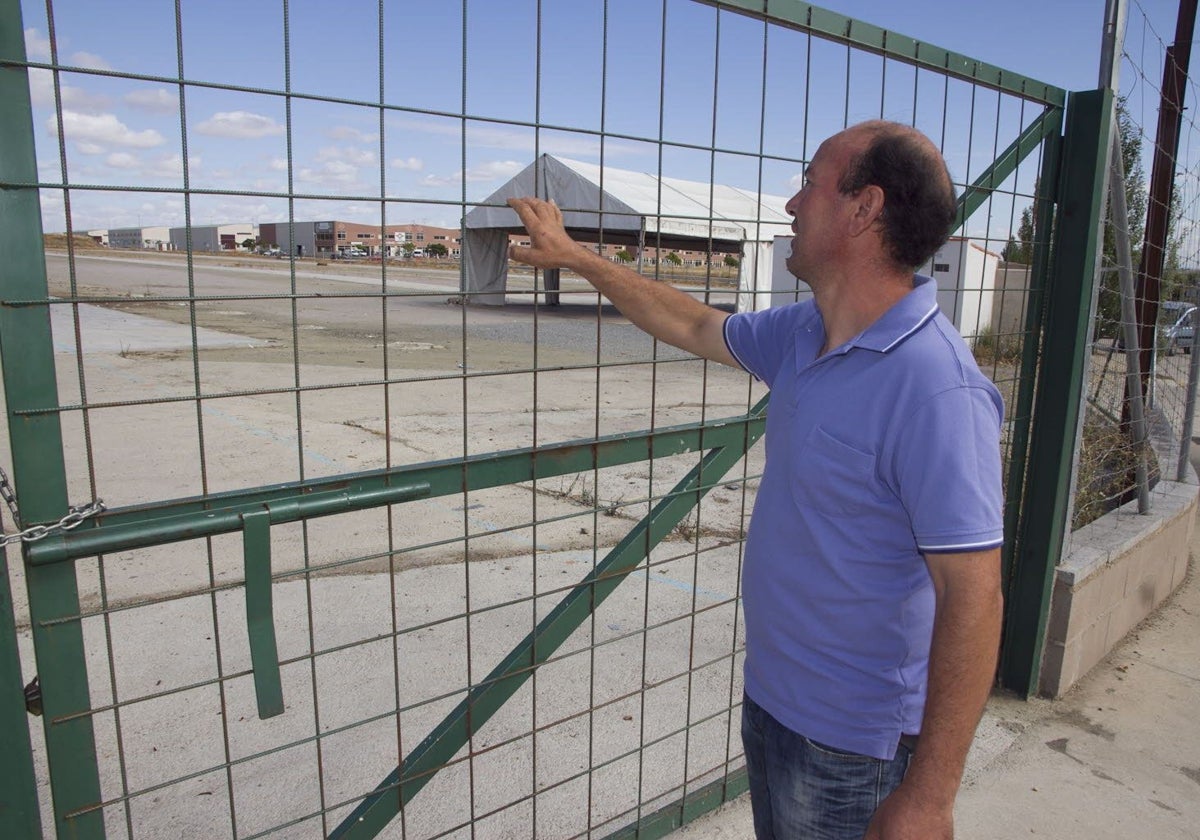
1178, 336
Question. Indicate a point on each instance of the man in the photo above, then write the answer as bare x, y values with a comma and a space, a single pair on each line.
872, 573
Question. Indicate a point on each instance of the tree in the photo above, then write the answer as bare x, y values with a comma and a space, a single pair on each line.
408, 248
437, 249
731, 261
1020, 249
1108, 302
1175, 279
624, 256
250, 243
673, 259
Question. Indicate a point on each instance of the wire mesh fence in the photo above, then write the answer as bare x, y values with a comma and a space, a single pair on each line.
453, 493
1159, 303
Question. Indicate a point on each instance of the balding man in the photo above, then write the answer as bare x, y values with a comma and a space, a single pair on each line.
872, 573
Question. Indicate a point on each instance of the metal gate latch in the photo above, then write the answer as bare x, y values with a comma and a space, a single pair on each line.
33, 698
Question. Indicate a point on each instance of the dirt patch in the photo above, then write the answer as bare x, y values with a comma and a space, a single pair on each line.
80, 241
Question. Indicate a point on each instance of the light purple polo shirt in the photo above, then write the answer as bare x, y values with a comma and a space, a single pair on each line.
884, 448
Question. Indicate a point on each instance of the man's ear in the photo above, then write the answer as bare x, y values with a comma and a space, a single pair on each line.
868, 207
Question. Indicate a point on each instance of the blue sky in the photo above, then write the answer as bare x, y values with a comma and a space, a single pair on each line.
126, 132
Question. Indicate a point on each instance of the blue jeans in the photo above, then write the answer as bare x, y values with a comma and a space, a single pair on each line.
802, 790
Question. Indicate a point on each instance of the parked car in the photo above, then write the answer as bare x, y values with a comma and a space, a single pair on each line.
1179, 333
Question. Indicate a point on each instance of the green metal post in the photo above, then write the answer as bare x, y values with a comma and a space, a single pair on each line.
37, 449
19, 816
1059, 388
1040, 277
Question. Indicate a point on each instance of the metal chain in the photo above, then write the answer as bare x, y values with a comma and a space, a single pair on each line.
9, 496
74, 518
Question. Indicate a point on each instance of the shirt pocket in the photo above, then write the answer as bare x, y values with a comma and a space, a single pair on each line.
833, 477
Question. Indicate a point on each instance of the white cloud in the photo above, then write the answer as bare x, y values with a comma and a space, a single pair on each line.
154, 100
36, 46
171, 166
278, 164
41, 92
331, 173
240, 124
349, 154
491, 171
122, 160
87, 148
163, 166
103, 130
796, 181
345, 132
87, 59
412, 163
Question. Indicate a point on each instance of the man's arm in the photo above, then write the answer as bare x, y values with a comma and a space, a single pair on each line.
962, 668
661, 310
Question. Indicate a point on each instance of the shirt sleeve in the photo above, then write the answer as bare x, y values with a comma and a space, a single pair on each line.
949, 472
759, 340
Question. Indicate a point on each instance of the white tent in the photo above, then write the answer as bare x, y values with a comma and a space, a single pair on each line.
632, 208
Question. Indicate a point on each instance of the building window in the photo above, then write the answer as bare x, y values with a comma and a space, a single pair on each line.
341, 234
941, 267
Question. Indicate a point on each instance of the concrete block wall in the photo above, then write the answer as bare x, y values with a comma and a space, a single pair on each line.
1117, 571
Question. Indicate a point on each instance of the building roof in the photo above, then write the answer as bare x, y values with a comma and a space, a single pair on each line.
673, 212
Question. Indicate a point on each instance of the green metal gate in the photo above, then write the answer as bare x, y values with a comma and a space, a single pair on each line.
543, 633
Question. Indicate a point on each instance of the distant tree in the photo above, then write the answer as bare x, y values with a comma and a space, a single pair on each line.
1108, 302
1020, 248
250, 243
1175, 279
624, 256
408, 248
731, 261
437, 249
673, 259
1011, 251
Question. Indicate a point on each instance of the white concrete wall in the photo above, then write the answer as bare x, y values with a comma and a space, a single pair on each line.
965, 273
1118, 571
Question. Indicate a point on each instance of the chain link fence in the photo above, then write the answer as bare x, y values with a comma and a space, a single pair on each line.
1157, 307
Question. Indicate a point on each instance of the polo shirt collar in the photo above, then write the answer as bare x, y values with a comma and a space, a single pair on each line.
907, 316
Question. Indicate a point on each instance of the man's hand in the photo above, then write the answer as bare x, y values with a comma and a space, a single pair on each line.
661, 310
902, 816
550, 246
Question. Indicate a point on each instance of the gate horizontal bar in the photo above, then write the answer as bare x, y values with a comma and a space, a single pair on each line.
185, 519
833, 26
686, 809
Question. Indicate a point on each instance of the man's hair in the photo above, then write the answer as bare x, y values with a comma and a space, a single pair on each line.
919, 202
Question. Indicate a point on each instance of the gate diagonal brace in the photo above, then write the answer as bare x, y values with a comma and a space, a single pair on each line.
388, 798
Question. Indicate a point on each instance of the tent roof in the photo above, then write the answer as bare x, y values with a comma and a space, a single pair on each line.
670, 210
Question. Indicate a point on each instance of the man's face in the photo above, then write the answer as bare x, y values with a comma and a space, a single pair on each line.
817, 209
